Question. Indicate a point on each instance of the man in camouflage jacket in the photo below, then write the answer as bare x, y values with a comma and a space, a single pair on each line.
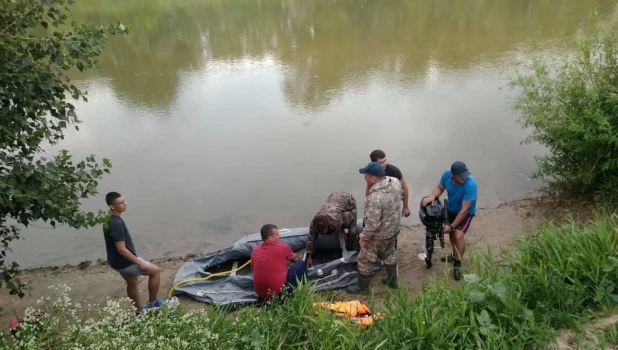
382, 221
337, 214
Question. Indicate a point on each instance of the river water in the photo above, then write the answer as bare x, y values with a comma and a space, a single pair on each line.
220, 116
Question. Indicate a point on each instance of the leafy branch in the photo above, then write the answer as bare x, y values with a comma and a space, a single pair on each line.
39, 44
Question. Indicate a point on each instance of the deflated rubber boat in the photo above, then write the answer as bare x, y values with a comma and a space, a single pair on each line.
225, 277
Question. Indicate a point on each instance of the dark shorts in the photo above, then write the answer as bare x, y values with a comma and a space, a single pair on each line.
465, 225
132, 270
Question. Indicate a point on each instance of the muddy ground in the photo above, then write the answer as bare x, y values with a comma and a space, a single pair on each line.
495, 228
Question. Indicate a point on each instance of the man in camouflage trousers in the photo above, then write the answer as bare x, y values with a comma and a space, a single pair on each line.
382, 221
337, 214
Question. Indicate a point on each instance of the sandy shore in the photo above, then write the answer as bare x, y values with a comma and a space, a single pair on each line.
495, 228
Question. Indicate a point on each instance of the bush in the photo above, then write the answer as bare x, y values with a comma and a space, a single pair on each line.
61, 324
572, 108
39, 45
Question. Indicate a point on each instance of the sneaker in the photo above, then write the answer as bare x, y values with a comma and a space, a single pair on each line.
157, 304
447, 258
172, 304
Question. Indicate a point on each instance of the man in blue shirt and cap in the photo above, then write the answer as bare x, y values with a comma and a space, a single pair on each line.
461, 189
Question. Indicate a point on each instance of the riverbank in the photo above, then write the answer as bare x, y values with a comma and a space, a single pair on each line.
554, 291
492, 228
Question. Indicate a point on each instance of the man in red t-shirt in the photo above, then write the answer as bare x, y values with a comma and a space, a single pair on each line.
269, 262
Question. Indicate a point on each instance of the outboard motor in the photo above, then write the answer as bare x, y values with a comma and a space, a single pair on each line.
433, 217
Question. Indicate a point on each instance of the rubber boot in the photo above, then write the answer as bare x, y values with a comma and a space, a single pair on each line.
457, 270
351, 243
448, 258
362, 286
391, 276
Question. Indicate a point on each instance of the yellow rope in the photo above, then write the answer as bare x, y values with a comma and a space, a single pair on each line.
205, 278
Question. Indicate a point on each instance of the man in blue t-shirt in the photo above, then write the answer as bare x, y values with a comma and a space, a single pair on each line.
461, 189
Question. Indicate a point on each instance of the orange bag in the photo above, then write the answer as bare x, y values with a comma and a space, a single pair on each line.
354, 310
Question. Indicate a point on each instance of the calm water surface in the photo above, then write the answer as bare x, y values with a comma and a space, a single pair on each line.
220, 116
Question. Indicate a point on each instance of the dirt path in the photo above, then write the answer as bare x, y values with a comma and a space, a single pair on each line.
567, 339
494, 228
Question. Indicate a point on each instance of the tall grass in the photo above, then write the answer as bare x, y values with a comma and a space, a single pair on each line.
552, 279
564, 271
610, 336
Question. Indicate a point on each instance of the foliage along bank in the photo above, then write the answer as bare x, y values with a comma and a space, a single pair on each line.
39, 45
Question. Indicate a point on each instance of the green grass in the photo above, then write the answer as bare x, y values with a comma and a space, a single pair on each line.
567, 271
610, 336
611, 333
597, 338
559, 277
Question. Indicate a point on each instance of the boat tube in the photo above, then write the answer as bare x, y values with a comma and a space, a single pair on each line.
333, 268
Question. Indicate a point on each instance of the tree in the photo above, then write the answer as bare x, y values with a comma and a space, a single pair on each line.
39, 44
572, 107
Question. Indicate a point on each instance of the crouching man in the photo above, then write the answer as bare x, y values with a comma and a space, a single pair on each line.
269, 262
337, 214
382, 221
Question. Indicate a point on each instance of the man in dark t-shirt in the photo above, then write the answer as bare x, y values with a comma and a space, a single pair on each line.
392, 171
122, 257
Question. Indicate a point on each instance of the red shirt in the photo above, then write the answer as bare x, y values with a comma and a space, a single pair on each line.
270, 268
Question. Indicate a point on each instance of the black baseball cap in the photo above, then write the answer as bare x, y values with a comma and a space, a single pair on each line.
460, 169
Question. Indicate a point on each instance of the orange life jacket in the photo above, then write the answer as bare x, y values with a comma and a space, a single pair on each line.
354, 310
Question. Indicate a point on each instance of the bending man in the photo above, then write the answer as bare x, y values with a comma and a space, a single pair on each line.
382, 221
462, 191
337, 214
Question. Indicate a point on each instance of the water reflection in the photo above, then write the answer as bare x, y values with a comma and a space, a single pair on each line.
202, 108
325, 47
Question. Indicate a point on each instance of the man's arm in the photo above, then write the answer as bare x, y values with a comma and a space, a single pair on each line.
349, 221
404, 185
437, 192
126, 253
311, 238
470, 193
372, 218
117, 235
291, 256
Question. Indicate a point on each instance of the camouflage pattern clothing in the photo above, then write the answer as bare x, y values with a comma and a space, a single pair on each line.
339, 211
382, 221
385, 250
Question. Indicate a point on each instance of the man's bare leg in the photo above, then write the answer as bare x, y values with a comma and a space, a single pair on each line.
458, 243
154, 280
459, 248
133, 290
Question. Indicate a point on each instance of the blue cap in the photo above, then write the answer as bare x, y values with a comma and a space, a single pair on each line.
373, 168
460, 169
